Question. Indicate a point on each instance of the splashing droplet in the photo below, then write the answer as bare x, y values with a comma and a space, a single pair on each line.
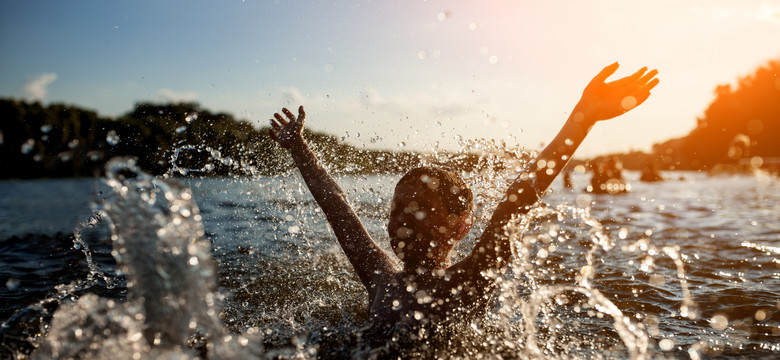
719, 322
112, 138
191, 117
12, 284
28, 146
666, 344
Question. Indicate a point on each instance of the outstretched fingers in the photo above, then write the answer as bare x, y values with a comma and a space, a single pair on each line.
605, 73
285, 126
645, 84
629, 81
289, 114
649, 86
649, 81
301, 114
280, 119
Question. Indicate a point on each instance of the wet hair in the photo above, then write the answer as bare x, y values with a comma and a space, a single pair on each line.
454, 192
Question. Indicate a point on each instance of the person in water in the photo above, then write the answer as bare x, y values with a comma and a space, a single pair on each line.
431, 212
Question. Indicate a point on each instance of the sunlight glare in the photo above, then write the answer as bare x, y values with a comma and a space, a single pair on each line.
628, 103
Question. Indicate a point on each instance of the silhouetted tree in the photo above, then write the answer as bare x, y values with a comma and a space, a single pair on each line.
750, 111
183, 139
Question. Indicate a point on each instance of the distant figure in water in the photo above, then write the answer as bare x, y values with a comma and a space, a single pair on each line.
650, 173
608, 178
431, 211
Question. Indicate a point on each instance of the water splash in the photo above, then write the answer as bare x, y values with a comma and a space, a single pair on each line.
214, 157
548, 301
172, 308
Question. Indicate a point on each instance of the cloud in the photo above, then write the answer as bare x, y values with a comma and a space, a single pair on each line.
175, 96
36, 90
292, 96
419, 104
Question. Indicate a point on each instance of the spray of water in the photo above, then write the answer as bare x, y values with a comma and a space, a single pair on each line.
172, 308
548, 303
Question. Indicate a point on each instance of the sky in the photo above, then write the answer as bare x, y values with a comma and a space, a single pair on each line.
399, 75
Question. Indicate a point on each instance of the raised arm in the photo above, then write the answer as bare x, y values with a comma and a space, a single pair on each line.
368, 259
600, 101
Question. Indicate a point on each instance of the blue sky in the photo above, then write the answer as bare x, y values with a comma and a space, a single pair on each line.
383, 73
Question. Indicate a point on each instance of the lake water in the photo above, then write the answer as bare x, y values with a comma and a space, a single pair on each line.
686, 268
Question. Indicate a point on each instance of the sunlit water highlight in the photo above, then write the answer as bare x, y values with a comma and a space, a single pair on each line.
683, 268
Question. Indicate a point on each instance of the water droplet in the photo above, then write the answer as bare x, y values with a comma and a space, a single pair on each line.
583, 200
719, 322
666, 344
493, 60
191, 117
112, 138
28, 146
12, 284
45, 128
181, 129
756, 162
657, 280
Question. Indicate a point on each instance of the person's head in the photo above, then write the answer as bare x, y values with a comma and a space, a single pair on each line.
430, 213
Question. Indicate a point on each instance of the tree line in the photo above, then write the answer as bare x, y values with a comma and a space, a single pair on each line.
179, 139
741, 123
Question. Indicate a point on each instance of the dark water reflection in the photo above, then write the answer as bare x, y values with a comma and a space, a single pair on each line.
284, 277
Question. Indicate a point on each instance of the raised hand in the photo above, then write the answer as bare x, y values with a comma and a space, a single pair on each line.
287, 132
605, 100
